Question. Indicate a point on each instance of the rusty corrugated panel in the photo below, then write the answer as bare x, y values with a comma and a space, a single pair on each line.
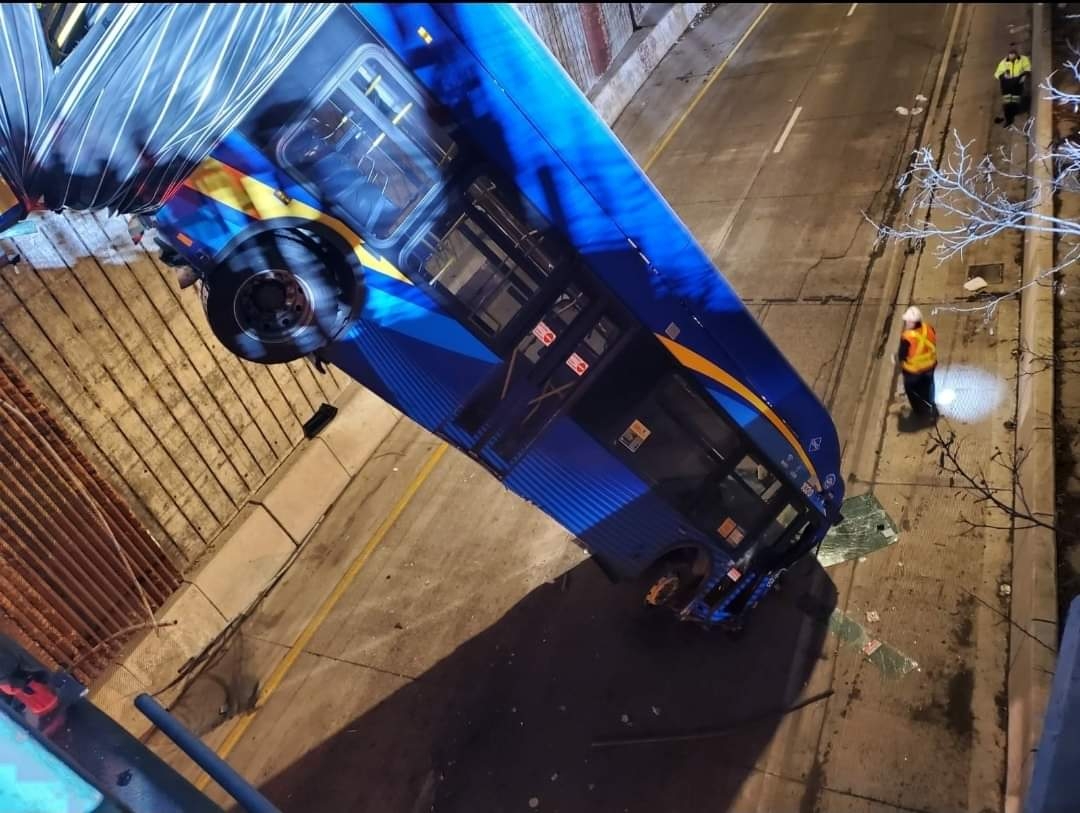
78, 573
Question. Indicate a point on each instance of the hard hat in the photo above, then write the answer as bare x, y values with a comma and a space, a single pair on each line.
913, 314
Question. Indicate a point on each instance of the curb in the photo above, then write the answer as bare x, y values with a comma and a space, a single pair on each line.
248, 557
1033, 632
639, 57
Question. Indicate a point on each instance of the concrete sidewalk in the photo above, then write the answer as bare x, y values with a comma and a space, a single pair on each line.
267, 539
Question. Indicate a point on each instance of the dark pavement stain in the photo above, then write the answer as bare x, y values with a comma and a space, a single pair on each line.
962, 632
958, 711
815, 782
955, 712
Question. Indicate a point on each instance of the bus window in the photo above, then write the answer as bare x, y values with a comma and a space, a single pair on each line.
371, 149
487, 258
560, 386
731, 509
779, 526
567, 307
757, 478
693, 411
666, 453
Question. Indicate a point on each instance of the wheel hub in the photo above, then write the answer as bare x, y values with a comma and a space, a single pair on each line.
662, 590
273, 306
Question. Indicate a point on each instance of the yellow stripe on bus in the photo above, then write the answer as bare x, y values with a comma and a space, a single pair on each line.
8, 199
700, 364
230, 187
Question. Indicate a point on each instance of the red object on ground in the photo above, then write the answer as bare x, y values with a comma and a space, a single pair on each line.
39, 699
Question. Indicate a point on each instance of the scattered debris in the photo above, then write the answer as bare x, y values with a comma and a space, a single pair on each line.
626, 719
903, 111
975, 284
872, 616
871, 646
554, 776
656, 711
1005, 590
591, 786
867, 527
920, 98
534, 803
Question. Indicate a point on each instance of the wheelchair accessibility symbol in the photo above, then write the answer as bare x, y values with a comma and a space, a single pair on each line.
815, 444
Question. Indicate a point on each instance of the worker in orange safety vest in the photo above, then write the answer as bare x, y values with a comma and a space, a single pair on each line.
918, 360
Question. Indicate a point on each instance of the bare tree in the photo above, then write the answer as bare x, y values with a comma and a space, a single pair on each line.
975, 481
974, 199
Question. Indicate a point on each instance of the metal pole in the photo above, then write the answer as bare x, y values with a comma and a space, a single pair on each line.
216, 768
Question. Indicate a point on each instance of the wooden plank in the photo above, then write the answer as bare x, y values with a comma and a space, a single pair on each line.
309, 382
227, 442
144, 374
243, 375
82, 413
112, 381
124, 362
229, 387
300, 408
90, 446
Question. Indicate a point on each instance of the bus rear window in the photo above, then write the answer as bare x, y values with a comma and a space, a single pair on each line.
371, 149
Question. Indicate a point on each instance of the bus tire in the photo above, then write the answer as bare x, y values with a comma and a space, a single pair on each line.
280, 297
670, 581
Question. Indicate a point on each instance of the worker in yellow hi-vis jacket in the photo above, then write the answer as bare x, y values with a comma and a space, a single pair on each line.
1012, 72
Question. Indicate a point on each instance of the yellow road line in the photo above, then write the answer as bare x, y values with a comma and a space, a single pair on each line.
242, 724
701, 93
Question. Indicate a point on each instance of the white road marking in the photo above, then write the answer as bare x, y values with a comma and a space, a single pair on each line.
851, 10
787, 131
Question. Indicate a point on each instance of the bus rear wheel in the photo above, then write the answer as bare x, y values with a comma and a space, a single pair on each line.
281, 297
671, 582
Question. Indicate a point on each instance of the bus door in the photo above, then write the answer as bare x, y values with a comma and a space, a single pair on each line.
548, 366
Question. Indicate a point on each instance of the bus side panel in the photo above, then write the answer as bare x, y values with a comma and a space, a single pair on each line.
598, 499
420, 360
513, 99
549, 101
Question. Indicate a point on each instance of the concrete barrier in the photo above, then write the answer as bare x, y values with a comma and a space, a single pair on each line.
1033, 611
640, 56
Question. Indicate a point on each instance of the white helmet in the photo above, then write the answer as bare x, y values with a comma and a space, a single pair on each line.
913, 314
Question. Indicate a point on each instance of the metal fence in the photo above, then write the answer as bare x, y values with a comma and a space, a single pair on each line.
78, 573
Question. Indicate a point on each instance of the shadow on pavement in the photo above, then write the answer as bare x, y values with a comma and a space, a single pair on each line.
511, 714
909, 422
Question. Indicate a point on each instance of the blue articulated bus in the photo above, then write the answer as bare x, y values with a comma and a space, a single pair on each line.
426, 201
